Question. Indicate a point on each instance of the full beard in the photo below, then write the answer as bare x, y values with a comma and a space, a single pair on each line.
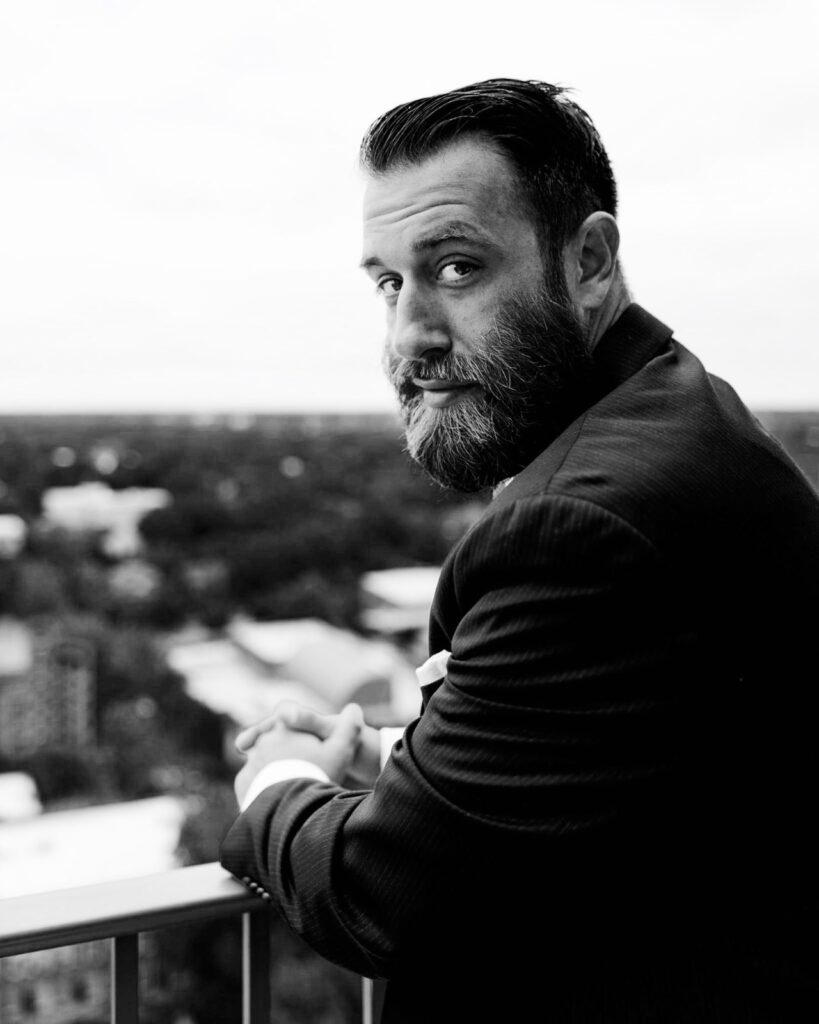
530, 371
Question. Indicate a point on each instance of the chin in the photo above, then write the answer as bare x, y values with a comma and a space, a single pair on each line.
459, 446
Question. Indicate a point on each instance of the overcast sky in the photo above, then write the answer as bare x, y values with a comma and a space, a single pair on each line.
179, 210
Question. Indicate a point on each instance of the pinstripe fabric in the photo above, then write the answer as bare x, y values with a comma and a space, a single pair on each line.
604, 812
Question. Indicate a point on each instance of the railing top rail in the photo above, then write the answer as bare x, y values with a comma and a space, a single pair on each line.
68, 916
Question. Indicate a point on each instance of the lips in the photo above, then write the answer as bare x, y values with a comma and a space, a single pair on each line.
441, 392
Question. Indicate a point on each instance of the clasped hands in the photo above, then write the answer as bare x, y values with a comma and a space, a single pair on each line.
342, 745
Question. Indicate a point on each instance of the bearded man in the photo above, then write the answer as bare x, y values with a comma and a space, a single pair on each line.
602, 813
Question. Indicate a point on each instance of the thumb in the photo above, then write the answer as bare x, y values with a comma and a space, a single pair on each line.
344, 738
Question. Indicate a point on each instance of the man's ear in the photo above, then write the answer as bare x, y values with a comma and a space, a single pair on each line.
590, 261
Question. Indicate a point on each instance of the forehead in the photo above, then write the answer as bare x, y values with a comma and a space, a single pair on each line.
468, 183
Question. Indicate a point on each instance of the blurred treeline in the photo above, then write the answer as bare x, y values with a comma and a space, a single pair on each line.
275, 517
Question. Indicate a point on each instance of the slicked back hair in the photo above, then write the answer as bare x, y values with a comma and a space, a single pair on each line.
562, 166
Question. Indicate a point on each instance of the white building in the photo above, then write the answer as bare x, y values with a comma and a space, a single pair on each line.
94, 506
335, 664
244, 674
398, 601
72, 848
16, 647
19, 799
221, 677
13, 533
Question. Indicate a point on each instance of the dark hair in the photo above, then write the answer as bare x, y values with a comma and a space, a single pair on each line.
562, 166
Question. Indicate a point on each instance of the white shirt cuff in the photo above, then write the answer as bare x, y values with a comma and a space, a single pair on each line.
433, 669
388, 736
281, 771
292, 768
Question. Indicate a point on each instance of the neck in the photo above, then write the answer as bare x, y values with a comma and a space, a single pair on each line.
616, 301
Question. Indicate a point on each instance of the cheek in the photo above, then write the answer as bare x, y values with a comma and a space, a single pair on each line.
389, 360
471, 321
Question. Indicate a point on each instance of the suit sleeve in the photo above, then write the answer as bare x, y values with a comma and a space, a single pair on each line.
553, 727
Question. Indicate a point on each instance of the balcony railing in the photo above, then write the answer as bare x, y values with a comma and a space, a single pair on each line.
119, 911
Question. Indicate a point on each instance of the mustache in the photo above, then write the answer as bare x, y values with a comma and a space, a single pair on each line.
458, 369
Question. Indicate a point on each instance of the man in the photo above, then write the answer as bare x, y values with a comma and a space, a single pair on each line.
604, 811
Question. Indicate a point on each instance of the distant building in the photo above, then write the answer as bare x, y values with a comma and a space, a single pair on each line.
72, 848
253, 666
96, 507
47, 690
86, 845
335, 664
397, 601
134, 581
220, 676
56, 986
16, 648
19, 799
13, 533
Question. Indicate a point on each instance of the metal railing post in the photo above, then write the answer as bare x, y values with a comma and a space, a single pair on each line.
256, 968
366, 1001
125, 980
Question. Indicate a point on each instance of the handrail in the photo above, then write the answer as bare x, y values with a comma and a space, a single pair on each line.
120, 910
108, 909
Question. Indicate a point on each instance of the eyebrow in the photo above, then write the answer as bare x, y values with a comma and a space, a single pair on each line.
453, 231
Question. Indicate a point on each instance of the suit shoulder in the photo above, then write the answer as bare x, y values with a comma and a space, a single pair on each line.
568, 535
671, 448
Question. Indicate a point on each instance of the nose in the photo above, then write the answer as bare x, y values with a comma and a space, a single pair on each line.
418, 329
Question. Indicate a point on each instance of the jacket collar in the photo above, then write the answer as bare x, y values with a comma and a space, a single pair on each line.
633, 340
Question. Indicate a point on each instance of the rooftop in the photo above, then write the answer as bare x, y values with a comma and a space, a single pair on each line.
255, 665
15, 647
89, 845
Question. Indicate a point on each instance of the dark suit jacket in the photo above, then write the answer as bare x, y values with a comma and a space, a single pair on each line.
606, 811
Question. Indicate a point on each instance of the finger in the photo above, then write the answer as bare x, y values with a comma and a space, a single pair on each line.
347, 731
291, 714
303, 719
247, 737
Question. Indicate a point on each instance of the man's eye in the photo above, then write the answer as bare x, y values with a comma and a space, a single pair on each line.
388, 287
457, 270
